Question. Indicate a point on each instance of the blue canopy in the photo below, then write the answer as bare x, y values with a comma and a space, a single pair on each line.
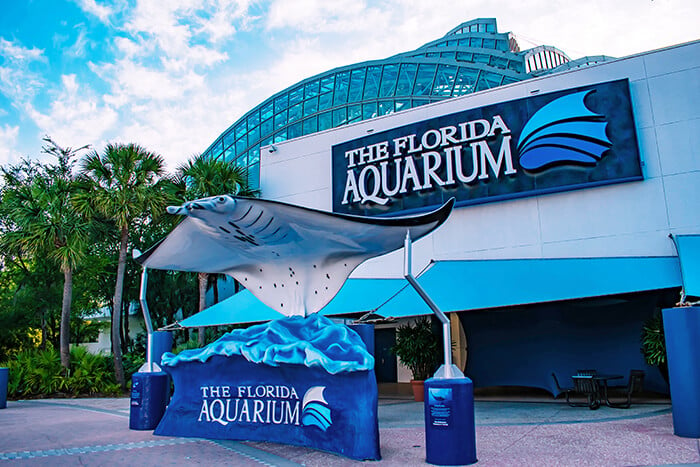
688, 247
356, 295
479, 284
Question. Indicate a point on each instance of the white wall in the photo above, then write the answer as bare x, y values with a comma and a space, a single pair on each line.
628, 219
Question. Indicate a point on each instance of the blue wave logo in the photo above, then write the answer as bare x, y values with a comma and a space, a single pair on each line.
315, 410
564, 131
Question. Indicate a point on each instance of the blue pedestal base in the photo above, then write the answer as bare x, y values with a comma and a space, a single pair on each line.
149, 396
682, 331
450, 436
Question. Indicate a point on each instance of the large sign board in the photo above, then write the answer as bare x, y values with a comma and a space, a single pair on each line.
558, 141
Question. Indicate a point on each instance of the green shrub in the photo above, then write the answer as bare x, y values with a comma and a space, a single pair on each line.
38, 373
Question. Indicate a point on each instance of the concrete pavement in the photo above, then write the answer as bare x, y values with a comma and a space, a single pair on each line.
544, 432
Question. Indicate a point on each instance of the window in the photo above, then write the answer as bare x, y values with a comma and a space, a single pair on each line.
266, 127
280, 119
407, 75
340, 117
311, 89
465, 81
402, 105
310, 106
266, 111
444, 80
296, 95
325, 101
424, 80
357, 83
254, 135
280, 136
294, 131
294, 113
374, 76
385, 107
325, 121
354, 113
389, 76
310, 125
342, 81
281, 103
327, 84
241, 145
369, 110
241, 129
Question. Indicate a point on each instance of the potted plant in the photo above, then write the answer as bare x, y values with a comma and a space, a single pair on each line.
654, 344
419, 349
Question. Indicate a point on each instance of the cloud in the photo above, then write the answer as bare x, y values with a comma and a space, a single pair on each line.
75, 116
102, 12
8, 141
17, 80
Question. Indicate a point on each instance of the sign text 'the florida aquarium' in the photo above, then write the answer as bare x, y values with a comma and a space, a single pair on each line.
553, 142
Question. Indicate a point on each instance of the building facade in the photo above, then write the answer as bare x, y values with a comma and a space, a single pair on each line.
568, 181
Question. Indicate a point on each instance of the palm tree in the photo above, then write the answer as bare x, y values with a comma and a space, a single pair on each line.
125, 185
203, 177
38, 200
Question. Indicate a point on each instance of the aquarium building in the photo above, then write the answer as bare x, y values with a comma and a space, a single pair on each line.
569, 179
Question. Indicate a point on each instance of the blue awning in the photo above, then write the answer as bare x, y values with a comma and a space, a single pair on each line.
356, 295
688, 247
479, 284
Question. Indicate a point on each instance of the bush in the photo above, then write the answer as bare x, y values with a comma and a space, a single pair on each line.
38, 373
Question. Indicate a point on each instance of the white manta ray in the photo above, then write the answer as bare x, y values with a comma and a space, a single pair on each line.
293, 259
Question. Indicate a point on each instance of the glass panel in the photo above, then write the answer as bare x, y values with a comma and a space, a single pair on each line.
280, 136
419, 102
294, 131
388, 80
311, 89
325, 121
254, 135
481, 58
464, 56
490, 27
325, 100
488, 80
385, 107
241, 129
499, 62
475, 42
281, 103
310, 125
254, 155
218, 153
294, 113
424, 80
229, 138
444, 80
447, 55
407, 76
374, 76
296, 95
354, 113
281, 119
253, 120
230, 153
327, 83
515, 66
241, 145
489, 43
402, 105
266, 141
340, 117
266, 111
241, 160
310, 106
357, 83
502, 45
369, 110
464, 42
266, 127
342, 80
254, 176
464, 83
507, 80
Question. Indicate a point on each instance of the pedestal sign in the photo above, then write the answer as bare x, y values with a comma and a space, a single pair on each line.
682, 331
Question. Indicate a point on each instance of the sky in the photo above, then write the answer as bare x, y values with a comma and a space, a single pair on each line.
172, 75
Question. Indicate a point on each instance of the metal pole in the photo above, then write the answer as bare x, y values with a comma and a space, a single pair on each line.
446, 332
147, 318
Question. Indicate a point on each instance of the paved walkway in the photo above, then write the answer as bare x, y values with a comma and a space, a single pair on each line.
95, 432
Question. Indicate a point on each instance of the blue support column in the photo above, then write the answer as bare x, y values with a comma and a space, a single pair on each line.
4, 377
150, 393
682, 331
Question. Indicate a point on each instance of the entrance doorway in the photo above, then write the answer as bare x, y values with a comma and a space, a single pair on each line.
385, 361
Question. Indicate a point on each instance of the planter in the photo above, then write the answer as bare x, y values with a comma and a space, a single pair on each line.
417, 387
682, 329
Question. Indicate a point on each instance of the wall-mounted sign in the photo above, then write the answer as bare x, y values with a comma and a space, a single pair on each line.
552, 142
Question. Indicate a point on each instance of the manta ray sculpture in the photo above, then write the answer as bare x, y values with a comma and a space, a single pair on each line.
293, 259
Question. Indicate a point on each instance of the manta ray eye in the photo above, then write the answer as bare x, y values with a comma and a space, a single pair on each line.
221, 199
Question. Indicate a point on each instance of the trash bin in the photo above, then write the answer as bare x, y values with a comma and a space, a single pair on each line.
150, 393
450, 436
4, 376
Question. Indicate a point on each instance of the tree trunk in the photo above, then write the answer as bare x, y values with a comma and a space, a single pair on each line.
202, 278
65, 317
44, 330
116, 311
